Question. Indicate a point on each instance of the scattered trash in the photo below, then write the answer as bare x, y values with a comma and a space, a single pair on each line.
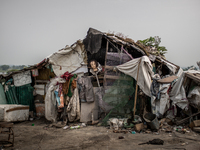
133, 132
126, 125
117, 124
181, 129
114, 123
154, 142
156, 133
151, 120
195, 123
120, 131
197, 129
140, 126
148, 131
83, 125
75, 127
66, 127
183, 144
137, 119
121, 137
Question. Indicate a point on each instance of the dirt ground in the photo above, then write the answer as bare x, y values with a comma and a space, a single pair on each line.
39, 136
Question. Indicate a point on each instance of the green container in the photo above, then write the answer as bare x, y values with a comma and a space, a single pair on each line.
21, 95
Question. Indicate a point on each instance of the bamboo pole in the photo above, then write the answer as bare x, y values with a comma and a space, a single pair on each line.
136, 90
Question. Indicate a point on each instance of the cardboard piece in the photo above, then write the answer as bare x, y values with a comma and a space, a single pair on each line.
168, 79
140, 126
195, 123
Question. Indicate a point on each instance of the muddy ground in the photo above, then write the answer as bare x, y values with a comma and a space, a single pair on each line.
39, 136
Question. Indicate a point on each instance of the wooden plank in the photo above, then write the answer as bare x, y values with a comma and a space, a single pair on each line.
185, 119
109, 67
167, 79
115, 95
116, 77
191, 76
124, 87
105, 83
134, 109
195, 123
100, 77
196, 129
41, 81
17, 108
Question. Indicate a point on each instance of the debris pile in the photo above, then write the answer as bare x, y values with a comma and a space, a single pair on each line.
109, 80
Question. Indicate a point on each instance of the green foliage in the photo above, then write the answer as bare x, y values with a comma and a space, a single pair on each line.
19, 67
154, 42
189, 67
5, 67
12, 70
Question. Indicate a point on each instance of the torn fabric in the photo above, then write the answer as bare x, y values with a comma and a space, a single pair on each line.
145, 72
67, 59
50, 99
161, 105
177, 94
86, 92
93, 40
73, 108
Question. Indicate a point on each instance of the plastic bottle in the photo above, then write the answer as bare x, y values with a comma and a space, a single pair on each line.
75, 127
181, 130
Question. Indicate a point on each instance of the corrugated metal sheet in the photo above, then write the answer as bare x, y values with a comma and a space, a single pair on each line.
11, 95
25, 95
20, 95
2, 95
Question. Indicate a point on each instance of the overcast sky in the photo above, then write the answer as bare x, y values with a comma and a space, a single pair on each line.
30, 30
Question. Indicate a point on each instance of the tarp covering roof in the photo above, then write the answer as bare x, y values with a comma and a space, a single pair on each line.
68, 59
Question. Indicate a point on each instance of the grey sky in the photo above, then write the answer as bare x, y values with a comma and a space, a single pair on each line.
30, 30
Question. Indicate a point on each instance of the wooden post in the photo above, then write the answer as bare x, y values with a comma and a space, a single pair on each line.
136, 90
105, 84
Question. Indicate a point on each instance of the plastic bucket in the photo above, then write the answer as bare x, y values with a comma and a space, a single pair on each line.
40, 109
151, 120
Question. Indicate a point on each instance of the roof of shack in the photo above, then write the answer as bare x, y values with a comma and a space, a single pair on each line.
111, 38
194, 75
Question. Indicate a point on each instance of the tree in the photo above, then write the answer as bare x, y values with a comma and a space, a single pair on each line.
12, 70
5, 67
154, 42
189, 68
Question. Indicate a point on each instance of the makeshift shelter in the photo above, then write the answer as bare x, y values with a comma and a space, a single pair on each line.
132, 59
128, 79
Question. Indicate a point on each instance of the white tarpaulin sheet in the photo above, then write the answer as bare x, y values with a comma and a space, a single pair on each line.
145, 72
159, 107
67, 59
22, 78
177, 94
50, 99
82, 69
